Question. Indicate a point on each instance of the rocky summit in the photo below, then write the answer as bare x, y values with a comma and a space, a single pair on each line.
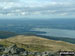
13, 50
22, 45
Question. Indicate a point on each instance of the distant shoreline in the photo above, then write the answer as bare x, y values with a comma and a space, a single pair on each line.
4, 35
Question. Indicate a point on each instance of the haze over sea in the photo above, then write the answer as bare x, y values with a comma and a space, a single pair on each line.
49, 27
56, 32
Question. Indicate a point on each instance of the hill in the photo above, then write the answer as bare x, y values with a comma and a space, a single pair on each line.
35, 43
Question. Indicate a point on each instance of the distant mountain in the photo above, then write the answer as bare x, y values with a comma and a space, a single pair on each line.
35, 43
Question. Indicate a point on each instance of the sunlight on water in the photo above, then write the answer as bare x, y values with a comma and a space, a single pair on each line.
56, 32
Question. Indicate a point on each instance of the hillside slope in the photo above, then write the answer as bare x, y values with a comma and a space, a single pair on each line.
34, 43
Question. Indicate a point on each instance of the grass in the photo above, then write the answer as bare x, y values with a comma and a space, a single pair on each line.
34, 43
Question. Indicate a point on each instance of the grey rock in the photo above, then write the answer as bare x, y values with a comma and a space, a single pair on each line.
1, 48
15, 51
37, 54
9, 49
6, 50
4, 55
25, 53
45, 53
16, 55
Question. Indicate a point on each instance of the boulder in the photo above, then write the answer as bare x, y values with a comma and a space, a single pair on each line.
37, 54
4, 55
25, 53
10, 49
15, 51
1, 48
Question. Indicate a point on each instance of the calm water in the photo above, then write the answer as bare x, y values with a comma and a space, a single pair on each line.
56, 32
56, 27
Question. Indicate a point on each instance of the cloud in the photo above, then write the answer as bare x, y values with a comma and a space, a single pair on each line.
9, 0
37, 7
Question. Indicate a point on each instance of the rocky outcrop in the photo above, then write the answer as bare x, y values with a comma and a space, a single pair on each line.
15, 51
2, 48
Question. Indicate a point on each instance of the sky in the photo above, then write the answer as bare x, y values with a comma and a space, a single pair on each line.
37, 8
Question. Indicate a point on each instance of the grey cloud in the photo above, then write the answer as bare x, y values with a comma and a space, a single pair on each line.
47, 9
